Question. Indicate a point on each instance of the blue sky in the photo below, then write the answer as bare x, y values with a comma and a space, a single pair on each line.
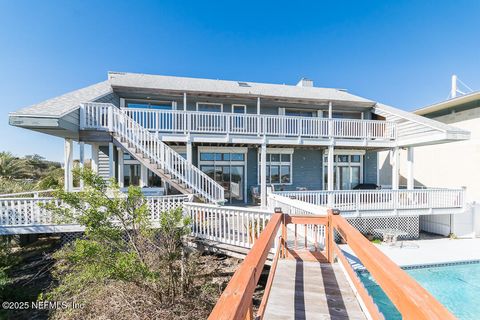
398, 52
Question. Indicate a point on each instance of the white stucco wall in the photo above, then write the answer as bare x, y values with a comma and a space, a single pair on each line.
448, 165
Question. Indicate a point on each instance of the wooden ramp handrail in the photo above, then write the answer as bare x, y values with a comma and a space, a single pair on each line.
235, 303
411, 299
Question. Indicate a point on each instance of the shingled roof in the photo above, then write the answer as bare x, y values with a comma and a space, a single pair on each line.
61, 105
254, 89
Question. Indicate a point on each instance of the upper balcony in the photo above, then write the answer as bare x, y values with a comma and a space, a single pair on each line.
253, 128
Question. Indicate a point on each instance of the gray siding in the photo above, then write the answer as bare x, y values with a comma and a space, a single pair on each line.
252, 170
370, 167
112, 98
307, 170
103, 168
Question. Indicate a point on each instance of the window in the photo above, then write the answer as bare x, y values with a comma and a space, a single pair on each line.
227, 167
278, 168
131, 175
157, 105
209, 107
211, 156
298, 113
344, 115
239, 108
347, 172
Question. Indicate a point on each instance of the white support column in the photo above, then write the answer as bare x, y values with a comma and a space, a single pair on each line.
68, 165
81, 146
94, 157
189, 152
143, 176
330, 168
120, 167
330, 175
259, 120
410, 175
111, 167
263, 176
395, 168
184, 101
330, 123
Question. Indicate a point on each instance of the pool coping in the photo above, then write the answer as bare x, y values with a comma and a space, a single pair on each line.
426, 265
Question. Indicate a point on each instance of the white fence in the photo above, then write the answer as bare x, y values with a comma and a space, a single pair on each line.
253, 124
382, 200
29, 214
231, 225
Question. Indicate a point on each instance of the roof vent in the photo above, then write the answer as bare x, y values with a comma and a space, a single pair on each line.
304, 82
243, 84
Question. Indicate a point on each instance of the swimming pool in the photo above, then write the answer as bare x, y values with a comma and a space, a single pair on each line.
456, 286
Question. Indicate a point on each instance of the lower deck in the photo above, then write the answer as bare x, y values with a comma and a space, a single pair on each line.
311, 290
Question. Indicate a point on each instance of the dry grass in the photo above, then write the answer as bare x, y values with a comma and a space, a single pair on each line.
121, 300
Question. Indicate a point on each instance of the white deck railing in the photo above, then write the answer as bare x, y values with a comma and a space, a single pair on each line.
230, 225
379, 200
101, 116
254, 124
298, 207
31, 212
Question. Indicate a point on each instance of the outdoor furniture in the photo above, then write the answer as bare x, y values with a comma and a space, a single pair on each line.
255, 194
390, 235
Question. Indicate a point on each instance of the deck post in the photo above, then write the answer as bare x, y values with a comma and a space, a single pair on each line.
94, 157
263, 176
143, 176
410, 176
329, 236
111, 168
120, 167
68, 165
330, 173
81, 146
189, 150
395, 168
258, 119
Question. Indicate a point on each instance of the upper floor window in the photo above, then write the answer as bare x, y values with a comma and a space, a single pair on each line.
299, 113
146, 104
209, 107
344, 115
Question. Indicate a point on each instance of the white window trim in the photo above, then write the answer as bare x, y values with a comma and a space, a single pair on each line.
241, 150
314, 112
280, 163
244, 106
210, 103
342, 152
126, 101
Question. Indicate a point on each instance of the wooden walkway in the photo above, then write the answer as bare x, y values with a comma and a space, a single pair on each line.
311, 290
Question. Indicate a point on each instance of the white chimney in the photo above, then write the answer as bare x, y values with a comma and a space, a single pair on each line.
304, 82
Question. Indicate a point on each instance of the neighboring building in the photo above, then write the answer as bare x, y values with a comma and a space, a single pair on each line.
433, 163
230, 139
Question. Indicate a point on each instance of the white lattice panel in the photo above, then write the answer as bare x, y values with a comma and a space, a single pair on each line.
410, 224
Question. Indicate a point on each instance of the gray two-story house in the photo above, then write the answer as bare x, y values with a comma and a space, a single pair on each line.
231, 141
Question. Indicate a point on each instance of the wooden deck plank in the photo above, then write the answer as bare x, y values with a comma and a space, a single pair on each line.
311, 290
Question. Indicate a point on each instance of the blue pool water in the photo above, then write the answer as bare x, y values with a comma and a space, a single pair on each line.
456, 286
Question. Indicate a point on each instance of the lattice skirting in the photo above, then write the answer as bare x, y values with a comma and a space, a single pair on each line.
409, 224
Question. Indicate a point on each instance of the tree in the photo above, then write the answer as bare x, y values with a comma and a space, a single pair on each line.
120, 243
12, 167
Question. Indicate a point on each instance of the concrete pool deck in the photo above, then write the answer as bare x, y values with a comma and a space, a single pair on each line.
422, 252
